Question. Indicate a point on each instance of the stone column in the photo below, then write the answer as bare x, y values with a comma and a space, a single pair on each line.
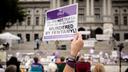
87, 8
92, 7
104, 7
53, 4
57, 3
109, 7
70, 1
74, 1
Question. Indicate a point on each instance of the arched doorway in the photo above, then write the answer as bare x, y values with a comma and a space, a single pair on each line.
98, 31
81, 29
83, 35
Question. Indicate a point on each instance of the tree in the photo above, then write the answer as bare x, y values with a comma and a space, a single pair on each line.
10, 13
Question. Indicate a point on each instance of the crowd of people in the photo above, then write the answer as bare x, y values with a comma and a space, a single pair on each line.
73, 63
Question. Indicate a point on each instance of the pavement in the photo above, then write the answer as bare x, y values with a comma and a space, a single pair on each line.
114, 68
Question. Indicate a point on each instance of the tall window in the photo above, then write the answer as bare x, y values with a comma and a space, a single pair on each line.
125, 20
97, 16
97, 13
116, 20
117, 36
36, 36
19, 35
125, 36
81, 17
27, 37
81, 0
96, 0
65, 0
28, 20
37, 20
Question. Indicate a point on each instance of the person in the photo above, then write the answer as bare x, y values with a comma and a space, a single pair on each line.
13, 61
36, 67
52, 67
126, 70
37, 44
61, 65
99, 68
76, 46
82, 66
11, 68
1, 67
1, 64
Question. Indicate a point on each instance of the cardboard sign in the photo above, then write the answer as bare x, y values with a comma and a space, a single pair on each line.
61, 23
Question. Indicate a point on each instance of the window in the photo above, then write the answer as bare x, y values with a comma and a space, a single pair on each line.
125, 20
125, 36
81, 10
37, 11
97, 10
28, 20
97, 13
36, 36
116, 10
125, 10
97, 16
117, 36
27, 37
81, 17
92, 35
19, 35
37, 20
65, 0
116, 20
97, 0
29, 11
81, 0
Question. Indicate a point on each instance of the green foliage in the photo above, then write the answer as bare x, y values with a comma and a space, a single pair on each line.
10, 13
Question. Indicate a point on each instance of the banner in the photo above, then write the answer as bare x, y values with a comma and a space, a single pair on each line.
61, 23
102, 37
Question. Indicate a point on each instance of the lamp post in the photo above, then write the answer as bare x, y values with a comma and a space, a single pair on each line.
121, 46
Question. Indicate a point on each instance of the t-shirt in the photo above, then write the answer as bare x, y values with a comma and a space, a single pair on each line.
83, 67
36, 67
60, 67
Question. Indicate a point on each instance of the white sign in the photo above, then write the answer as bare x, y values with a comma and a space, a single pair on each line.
89, 43
102, 37
85, 32
61, 23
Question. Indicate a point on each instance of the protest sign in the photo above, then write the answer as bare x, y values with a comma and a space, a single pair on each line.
61, 23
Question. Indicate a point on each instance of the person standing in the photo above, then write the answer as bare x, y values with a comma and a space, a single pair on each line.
82, 66
13, 61
99, 68
37, 44
36, 66
61, 65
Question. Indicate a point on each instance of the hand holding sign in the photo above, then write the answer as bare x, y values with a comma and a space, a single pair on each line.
61, 23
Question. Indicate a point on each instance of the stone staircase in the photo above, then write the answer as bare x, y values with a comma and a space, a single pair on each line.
105, 46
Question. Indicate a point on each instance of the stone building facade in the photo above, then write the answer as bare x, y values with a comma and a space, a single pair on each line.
93, 16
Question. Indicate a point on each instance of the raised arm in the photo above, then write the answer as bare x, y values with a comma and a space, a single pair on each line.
76, 46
